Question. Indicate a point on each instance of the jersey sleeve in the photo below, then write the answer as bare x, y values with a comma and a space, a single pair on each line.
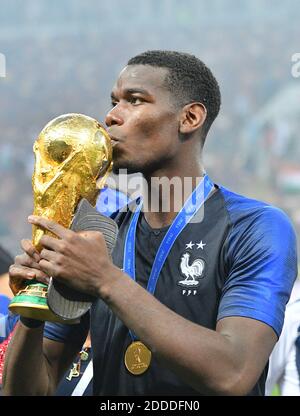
72, 334
261, 261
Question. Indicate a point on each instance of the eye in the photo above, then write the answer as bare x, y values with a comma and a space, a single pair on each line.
59, 150
113, 104
135, 100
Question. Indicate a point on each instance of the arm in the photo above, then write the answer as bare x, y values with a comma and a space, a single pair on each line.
32, 357
228, 360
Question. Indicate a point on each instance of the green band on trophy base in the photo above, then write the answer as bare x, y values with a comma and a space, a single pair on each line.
31, 302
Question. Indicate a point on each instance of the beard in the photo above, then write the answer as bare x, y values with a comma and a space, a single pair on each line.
138, 166
121, 162
135, 163
120, 166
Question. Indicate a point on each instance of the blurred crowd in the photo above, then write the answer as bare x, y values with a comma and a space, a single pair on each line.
63, 57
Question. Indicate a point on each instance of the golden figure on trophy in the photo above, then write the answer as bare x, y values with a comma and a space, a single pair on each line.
73, 157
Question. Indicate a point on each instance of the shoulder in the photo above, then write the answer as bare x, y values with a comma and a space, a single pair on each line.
240, 207
260, 254
257, 220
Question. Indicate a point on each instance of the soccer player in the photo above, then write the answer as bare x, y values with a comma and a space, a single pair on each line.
194, 299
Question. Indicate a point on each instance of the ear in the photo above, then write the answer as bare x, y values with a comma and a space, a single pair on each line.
192, 117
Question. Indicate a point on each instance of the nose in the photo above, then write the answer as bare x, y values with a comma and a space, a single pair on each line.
113, 118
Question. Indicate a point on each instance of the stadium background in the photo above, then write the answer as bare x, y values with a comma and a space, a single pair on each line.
63, 56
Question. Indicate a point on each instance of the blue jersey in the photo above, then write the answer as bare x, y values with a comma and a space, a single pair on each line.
242, 257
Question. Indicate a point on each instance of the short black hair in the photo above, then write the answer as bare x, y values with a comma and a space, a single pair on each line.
189, 80
5, 261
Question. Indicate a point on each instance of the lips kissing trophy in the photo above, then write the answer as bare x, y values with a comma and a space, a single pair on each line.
73, 157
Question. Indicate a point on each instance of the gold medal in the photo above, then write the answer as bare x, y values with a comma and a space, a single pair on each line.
137, 358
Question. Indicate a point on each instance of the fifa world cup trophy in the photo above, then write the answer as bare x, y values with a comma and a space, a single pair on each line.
73, 157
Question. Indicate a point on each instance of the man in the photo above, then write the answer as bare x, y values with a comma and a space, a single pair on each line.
209, 315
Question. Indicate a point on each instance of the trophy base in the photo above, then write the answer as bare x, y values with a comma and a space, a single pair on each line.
31, 302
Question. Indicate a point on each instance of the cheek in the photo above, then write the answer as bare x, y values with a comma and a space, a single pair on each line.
149, 128
156, 127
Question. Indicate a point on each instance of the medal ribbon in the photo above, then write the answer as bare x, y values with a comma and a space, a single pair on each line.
185, 215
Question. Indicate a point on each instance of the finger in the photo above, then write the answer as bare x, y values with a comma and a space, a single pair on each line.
50, 242
49, 268
23, 272
19, 273
48, 255
29, 248
89, 235
49, 225
25, 260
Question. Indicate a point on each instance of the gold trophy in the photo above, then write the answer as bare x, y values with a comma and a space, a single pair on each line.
73, 157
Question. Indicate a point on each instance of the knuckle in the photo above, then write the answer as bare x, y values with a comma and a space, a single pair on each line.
30, 251
97, 235
23, 260
25, 243
63, 247
40, 275
43, 253
16, 272
44, 267
51, 225
19, 258
12, 270
56, 271
60, 259
70, 237
43, 263
44, 239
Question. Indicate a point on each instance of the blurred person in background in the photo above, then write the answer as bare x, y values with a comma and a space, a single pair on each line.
284, 363
5, 292
190, 337
7, 321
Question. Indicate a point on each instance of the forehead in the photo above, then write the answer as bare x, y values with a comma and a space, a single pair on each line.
145, 77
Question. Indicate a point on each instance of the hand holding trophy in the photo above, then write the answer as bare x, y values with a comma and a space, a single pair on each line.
73, 157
